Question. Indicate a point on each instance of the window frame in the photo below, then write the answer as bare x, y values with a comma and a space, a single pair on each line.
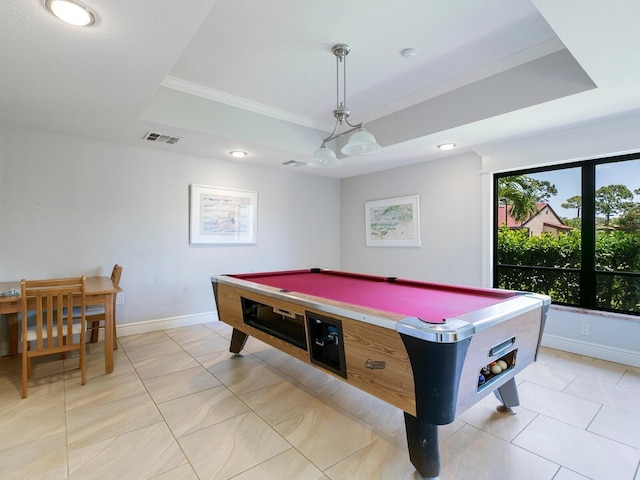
588, 275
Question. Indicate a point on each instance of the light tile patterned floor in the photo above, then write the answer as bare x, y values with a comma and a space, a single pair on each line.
178, 406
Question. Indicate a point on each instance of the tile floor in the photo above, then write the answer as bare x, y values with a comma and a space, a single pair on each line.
179, 407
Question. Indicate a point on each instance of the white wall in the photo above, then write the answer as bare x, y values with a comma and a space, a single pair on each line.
72, 205
606, 138
450, 222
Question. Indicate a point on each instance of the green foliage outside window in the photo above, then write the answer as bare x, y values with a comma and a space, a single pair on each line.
552, 262
517, 248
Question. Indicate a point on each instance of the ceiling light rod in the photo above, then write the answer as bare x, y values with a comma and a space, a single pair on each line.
341, 113
361, 142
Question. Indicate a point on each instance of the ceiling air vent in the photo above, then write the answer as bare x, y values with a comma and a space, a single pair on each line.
293, 163
161, 138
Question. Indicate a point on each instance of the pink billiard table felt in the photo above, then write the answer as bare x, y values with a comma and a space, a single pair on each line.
432, 303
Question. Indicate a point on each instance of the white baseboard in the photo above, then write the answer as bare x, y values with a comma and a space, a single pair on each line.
594, 350
146, 326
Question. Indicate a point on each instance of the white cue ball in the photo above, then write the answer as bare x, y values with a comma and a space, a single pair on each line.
496, 369
503, 364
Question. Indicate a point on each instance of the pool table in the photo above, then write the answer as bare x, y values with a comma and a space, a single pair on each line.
432, 350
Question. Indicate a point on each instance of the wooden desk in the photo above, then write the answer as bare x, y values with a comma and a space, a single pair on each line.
99, 291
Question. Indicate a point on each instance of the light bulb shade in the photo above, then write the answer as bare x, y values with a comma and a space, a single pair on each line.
324, 157
361, 143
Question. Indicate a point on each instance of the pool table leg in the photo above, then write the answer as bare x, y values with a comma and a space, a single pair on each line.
508, 396
436, 375
238, 340
422, 438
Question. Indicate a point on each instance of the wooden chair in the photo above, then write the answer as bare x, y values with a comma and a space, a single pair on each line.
55, 331
96, 314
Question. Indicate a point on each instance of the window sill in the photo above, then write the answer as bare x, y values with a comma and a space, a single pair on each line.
596, 313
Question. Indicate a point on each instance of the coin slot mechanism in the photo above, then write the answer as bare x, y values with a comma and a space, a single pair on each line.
326, 343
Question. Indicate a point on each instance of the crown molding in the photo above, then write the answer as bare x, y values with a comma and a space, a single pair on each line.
238, 102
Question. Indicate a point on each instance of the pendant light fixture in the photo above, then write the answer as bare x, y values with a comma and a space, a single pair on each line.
361, 142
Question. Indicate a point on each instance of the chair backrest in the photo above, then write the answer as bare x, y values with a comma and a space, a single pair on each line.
52, 302
116, 273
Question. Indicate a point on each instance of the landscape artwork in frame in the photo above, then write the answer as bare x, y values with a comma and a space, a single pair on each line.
222, 215
393, 222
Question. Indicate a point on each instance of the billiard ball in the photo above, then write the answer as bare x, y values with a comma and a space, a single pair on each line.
496, 369
503, 364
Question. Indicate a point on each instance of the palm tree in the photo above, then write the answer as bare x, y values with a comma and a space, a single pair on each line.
519, 195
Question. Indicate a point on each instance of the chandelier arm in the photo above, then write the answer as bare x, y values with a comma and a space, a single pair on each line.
360, 125
334, 135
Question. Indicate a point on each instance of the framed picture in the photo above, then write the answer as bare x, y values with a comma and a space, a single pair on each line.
393, 222
222, 215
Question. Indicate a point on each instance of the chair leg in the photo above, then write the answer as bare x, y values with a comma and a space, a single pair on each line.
28, 361
95, 327
25, 373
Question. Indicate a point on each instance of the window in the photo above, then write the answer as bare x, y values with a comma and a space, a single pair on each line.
572, 232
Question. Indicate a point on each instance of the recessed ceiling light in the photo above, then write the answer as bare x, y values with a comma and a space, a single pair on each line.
71, 12
446, 146
238, 153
